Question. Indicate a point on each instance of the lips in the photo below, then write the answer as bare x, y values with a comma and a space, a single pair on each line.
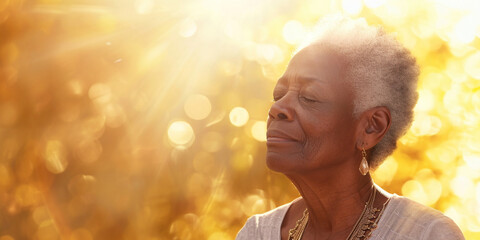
277, 136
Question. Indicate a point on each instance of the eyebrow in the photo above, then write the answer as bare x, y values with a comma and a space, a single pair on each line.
303, 79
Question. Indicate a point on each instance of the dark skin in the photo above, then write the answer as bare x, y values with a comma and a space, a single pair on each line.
314, 139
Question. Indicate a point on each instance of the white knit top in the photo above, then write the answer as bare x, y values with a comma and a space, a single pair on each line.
402, 219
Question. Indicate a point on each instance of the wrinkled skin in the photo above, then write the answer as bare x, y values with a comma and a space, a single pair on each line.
311, 125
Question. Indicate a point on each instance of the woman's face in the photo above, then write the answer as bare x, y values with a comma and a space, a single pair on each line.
310, 125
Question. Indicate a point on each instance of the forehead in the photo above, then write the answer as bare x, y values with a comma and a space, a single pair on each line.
315, 62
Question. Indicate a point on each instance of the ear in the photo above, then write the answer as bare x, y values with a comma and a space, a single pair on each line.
373, 125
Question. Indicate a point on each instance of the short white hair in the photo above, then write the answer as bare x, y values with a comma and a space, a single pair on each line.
382, 73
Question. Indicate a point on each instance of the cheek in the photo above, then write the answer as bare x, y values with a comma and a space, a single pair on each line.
313, 149
327, 138
317, 135
316, 142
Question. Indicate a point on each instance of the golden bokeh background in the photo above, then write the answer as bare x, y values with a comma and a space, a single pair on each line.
145, 119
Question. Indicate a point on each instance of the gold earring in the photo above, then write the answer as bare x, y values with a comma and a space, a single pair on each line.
364, 164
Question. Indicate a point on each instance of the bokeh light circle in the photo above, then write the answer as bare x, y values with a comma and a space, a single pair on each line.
180, 133
100, 93
259, 131
414, 190
239, 116
472, 65
55, 157
197, 107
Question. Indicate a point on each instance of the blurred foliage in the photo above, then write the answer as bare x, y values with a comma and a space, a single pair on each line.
145, 119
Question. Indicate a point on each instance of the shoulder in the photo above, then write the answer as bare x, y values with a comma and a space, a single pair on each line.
264, 226
408, 219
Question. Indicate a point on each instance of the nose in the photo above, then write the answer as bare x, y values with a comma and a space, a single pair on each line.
282, 109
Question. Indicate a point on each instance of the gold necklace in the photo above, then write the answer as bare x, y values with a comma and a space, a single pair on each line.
296, 233
375, 224
364, 222
367, 221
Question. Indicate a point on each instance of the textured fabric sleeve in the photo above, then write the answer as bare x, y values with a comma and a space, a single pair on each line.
249, 230
264, 226
443, 229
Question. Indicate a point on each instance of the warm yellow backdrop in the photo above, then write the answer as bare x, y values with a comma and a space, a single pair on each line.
145, 119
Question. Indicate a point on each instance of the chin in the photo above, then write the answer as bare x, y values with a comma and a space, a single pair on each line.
280, 163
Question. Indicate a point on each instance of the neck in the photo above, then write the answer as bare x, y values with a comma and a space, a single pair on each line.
335, 198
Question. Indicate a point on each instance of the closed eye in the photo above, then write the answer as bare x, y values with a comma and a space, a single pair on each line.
308, 100
277, 97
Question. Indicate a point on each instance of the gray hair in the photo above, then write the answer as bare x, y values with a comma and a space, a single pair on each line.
382, 73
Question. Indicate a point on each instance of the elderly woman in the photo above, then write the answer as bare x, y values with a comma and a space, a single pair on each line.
339, 109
